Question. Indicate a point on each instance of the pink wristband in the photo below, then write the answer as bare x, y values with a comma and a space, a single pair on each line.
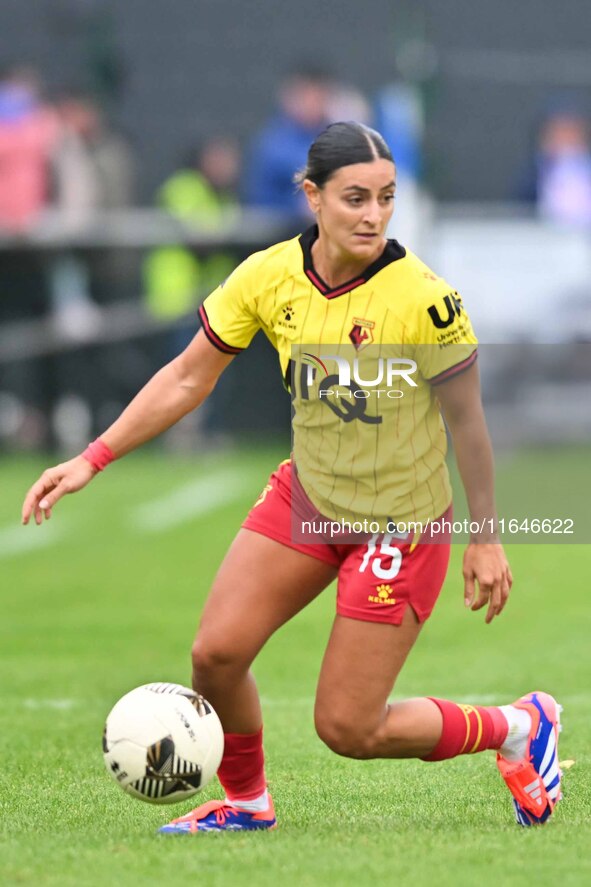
98, 454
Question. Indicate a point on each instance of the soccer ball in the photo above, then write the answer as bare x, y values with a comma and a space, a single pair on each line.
162, 743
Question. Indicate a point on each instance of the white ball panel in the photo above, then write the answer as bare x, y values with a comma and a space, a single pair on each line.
126, 761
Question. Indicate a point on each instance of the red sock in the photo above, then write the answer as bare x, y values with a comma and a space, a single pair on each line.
468, 729
242, 771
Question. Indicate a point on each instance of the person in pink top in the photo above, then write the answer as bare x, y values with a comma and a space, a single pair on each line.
28, 132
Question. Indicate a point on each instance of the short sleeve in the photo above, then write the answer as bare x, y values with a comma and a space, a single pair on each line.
447, 344
227, 315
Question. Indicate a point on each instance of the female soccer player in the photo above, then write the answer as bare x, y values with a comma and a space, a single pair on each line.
362, 449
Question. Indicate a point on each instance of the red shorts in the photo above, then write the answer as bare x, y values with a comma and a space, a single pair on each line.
376, 579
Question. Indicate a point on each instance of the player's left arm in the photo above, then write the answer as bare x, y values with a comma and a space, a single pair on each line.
485, 563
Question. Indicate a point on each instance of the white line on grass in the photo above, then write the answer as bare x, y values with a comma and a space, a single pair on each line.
470, 698
17, 539
55, 704
67, 703
192, 500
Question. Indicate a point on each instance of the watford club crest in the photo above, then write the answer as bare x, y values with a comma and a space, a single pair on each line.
361, 334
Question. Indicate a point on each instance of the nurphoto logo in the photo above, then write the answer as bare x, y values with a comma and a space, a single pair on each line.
388, 370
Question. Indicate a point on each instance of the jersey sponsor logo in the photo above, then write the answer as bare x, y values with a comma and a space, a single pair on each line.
382, 595
354, 406
348, 407
361, 333
346, 393
453, 307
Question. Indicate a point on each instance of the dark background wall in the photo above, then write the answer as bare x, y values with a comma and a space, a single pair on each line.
176, 70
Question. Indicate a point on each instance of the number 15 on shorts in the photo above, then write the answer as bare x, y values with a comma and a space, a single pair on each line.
386, 551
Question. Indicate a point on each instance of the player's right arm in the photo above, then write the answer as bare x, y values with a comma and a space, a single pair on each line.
175, 390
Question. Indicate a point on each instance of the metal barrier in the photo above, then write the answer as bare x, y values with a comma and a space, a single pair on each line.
522, 281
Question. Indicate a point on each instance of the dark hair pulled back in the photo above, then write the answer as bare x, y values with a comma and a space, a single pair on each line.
341, 144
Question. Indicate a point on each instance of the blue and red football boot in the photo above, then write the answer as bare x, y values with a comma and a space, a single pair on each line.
218, 816
534, 781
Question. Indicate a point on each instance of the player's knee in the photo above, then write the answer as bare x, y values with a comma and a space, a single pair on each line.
211, 657
343, 737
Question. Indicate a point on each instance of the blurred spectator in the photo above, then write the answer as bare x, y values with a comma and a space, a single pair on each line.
558, 179
28, 132
203, 190
399, 116
346, 102
281, 148
93, 166
205, 186
92, 170
400, 119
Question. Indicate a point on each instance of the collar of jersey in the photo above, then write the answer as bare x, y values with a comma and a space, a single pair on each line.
392, 252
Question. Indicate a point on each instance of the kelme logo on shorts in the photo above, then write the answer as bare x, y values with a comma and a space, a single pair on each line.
382, 595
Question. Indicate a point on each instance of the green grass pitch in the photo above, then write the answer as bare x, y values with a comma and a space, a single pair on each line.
107, 596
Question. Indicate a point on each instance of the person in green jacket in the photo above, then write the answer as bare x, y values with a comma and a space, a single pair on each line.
202, 191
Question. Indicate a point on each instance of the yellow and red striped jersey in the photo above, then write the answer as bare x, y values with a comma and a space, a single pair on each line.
361, 450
